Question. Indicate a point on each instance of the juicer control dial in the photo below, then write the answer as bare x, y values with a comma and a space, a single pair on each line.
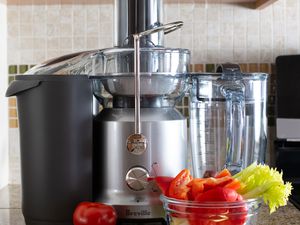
137, 178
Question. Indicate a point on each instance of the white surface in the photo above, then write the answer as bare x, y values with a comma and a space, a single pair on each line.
3, 99
288, 129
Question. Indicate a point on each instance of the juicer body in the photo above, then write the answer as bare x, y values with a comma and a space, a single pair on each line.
121, 178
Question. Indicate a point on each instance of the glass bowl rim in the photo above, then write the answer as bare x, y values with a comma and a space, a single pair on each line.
210, 204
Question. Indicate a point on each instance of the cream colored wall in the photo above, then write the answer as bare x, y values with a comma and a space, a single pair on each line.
3, 100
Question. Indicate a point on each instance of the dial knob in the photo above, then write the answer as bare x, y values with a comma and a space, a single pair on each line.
137, 178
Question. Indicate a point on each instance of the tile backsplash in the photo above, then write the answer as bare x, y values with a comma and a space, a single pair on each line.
38, 30
216, 32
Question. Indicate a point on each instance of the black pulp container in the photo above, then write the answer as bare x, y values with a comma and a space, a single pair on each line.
55, 121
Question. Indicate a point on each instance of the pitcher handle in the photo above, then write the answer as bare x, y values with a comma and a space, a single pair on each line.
233, 90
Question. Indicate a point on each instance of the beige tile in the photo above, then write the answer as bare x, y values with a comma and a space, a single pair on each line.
79, 43
278, 27
240, 27
26, 56
292, 3
13, 123
39, 56
79, 29
52, 29
279, 42
106, 29
105, 41
199, 13
199, 42
172, 40
266, 55
26, 30
186, 12
53, 43
66, 43
171, 13
12, 102
226, 55
53, 16
213, 13
226, 13
200, 29
39, 15
226, 42
92, 43
66, 14
106, 13
266, 41
52, 54
26, 43
252, 28
253, 41
13, 29
213, 56
66, 29
13, 44
186, 41
39, 43
92, 14
253, 55
213, 42
79, 15
213, 29
12, 113
93, 29
240, 55
12, 15
13, 57
26, 14
40, 30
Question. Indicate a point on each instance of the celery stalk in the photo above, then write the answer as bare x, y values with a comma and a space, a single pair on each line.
261, 181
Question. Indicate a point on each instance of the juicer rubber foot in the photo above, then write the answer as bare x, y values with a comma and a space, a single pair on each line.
40, 222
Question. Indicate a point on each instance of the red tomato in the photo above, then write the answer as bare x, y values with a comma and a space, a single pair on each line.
93, 213
178, 187
163, 183
217, 194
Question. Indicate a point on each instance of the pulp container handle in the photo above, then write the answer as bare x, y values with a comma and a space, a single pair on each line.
233, 89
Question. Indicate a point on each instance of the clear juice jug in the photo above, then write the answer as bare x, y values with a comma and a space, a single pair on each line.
228, 122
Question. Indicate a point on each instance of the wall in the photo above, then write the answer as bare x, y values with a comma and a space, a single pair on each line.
3, 100
218, 32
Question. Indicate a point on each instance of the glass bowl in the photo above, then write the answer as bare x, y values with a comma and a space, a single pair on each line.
182, 212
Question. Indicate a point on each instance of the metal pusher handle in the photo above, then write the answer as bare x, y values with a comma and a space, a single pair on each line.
137, 142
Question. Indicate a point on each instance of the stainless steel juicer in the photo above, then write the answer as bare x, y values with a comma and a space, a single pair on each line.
122, 167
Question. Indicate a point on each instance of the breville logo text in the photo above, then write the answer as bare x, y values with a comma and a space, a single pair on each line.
138, 213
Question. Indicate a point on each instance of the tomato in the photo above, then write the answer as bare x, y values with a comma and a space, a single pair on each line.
178, 187
218, 194
212, 216
196, 187
93, 213
163, 183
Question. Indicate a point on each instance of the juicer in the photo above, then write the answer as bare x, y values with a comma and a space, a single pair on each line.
137, 134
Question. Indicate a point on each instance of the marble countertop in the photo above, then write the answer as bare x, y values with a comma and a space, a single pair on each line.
11, 214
